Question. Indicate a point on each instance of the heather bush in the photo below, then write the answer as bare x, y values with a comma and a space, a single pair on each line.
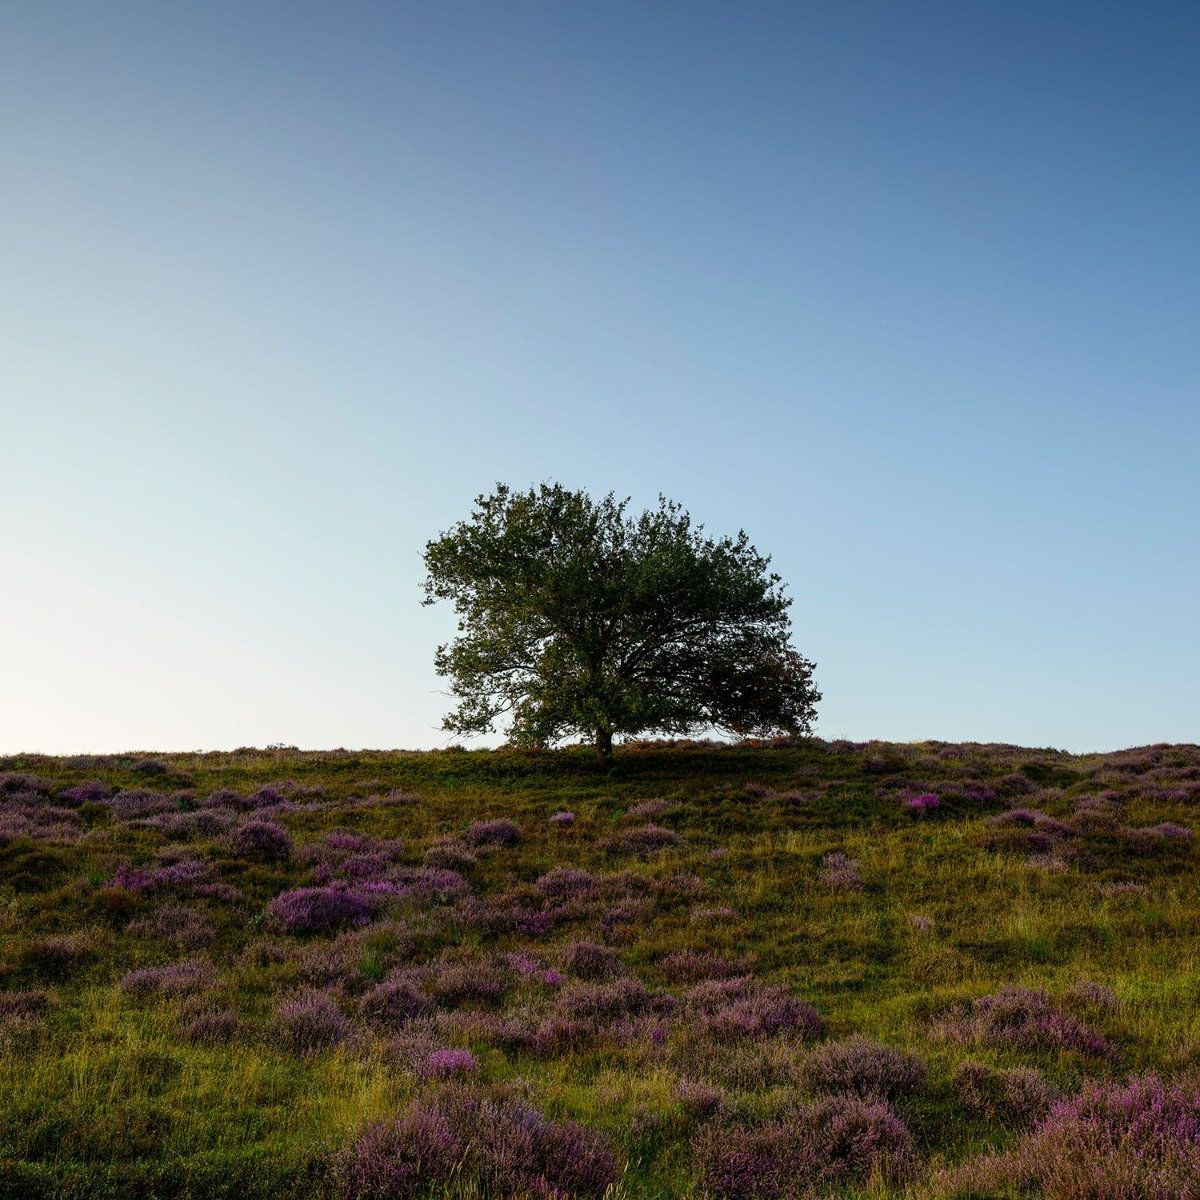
320, 909
691, 966
605, 1001
840, 1142
920, 803
503, 1144
402, 1159
1018, 1097
91, 792
739, 1008
311, 1020
184, 876
496, 832
177, 926
566, 883
137, 802
60, 956
562, 817
648, 808
649, 839
1023, 1019
840, 873
262, 841
1087, 994
862, 1068
450, 855
1137, 1140
587, 960
455, 985
176, 979
397, 1000
446, 1064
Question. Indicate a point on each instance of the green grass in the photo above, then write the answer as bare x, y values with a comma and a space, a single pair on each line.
102, 1097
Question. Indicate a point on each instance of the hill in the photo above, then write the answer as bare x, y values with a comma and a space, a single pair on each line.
767, 970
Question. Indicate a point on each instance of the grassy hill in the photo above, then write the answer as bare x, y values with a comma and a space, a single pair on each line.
764, 971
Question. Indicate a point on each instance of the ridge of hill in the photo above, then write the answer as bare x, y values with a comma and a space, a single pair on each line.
755, 970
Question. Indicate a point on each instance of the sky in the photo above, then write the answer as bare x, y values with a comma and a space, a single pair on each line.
905, 290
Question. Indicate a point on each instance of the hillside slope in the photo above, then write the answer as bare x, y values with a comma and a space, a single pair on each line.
716, 971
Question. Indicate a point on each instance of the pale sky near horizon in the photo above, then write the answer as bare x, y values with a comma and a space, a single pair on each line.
908, 291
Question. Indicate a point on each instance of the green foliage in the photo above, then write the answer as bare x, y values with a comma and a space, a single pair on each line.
576, 617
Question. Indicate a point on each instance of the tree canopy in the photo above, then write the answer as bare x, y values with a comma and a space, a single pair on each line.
577, 617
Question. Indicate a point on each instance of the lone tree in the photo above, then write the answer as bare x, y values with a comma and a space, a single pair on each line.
576, 617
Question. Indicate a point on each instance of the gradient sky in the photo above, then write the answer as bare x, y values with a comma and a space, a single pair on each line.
906, 290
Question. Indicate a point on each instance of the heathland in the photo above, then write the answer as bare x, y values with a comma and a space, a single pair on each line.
770, 970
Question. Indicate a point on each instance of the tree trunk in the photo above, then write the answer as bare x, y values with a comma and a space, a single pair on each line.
604, 745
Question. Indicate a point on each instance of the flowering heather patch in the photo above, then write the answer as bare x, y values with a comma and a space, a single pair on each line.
446, 1064
451, 855
91, 792
649, 839
1088, 994
1124, 887
226, 798
562, 817
208, 1025
397, 1000
920, 803
840, 873
1022, 1019
566, 883
587, 960
135, 803
744, 1008
183, 875
721, 915
262, 841
24, 1004
1172, 830
503, 1144
839, 1142
700, 1099
920, 923
468, 984
14, 783
311, 1020
1138, 1140
320, 909
862, 1068
648, 808
691, 966
606, 1001
429, 885
1018, 1097
177, 979
60, 955
186, 826
496, 832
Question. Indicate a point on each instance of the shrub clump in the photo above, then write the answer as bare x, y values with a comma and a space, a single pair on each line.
1022, 1019
1137, 1140
262, 841
501, 1144
862, 1068
497, 832
311, 1020
318, 909
838, 1142
1018, 1097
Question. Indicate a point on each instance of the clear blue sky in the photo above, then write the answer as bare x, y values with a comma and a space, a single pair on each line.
909, 291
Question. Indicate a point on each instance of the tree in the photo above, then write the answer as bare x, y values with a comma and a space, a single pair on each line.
575, 617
